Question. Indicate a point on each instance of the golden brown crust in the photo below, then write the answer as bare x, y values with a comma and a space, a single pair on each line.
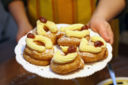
93, 57
34, 61
47, 55
67, 68
67, 41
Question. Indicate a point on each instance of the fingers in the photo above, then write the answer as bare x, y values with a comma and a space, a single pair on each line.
101, 29
104, 29
106, 32
19, 35
91, 26
110, 33
103, 32
23, 30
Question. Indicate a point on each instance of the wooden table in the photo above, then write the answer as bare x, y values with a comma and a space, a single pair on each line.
11, 73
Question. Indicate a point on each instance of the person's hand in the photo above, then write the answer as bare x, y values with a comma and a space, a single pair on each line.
101, 26
22, 30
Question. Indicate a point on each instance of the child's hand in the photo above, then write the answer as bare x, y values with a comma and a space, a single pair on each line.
102, 27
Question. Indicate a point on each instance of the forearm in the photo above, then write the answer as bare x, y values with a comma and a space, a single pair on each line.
18, 12
108, 9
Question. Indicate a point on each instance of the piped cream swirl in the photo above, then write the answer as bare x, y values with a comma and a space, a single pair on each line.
62, 59
71, 27
48, 43
78, 34
85, 46
50, 25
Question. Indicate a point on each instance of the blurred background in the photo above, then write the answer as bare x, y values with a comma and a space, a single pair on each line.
8, 31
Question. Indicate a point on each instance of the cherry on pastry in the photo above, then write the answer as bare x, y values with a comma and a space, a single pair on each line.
42, 19
46, 28
98, 43
30, 35
85, 27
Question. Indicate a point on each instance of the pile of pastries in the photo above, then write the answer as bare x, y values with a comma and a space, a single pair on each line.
65, 49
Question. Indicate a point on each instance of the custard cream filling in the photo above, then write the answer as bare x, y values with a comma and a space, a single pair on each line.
97, 38
71, 27
48, 43
85, 46
77, 34
40, 29
51, 26
64, 48
62, 59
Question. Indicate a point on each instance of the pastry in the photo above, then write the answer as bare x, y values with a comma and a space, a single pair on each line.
39, 49
73, 34
93, 50
62, 63
47, 28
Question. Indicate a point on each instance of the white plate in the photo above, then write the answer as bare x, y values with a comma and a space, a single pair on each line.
45, 71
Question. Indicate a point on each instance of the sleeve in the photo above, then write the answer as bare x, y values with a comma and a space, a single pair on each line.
127, 1
6, 3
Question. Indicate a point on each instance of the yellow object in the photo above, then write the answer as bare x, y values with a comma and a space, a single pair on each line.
123, 82
71, 27
62, 11
40, 27
68, 11
64, 48
48, 43
78, 34
52, 26
59, 58
85, 46
97, 38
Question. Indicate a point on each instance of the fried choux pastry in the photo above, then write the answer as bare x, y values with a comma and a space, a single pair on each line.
73, 34
68, 41
93, 50
66, 63
46, 55
39, 49
35, 61
47, 28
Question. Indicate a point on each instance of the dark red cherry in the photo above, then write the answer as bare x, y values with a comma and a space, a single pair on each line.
46, 28
30, 35
42, 19
98, 43
85, 27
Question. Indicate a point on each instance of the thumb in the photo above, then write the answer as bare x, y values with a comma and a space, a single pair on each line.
19, 35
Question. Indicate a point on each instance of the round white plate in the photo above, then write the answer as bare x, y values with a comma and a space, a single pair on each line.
45, 71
